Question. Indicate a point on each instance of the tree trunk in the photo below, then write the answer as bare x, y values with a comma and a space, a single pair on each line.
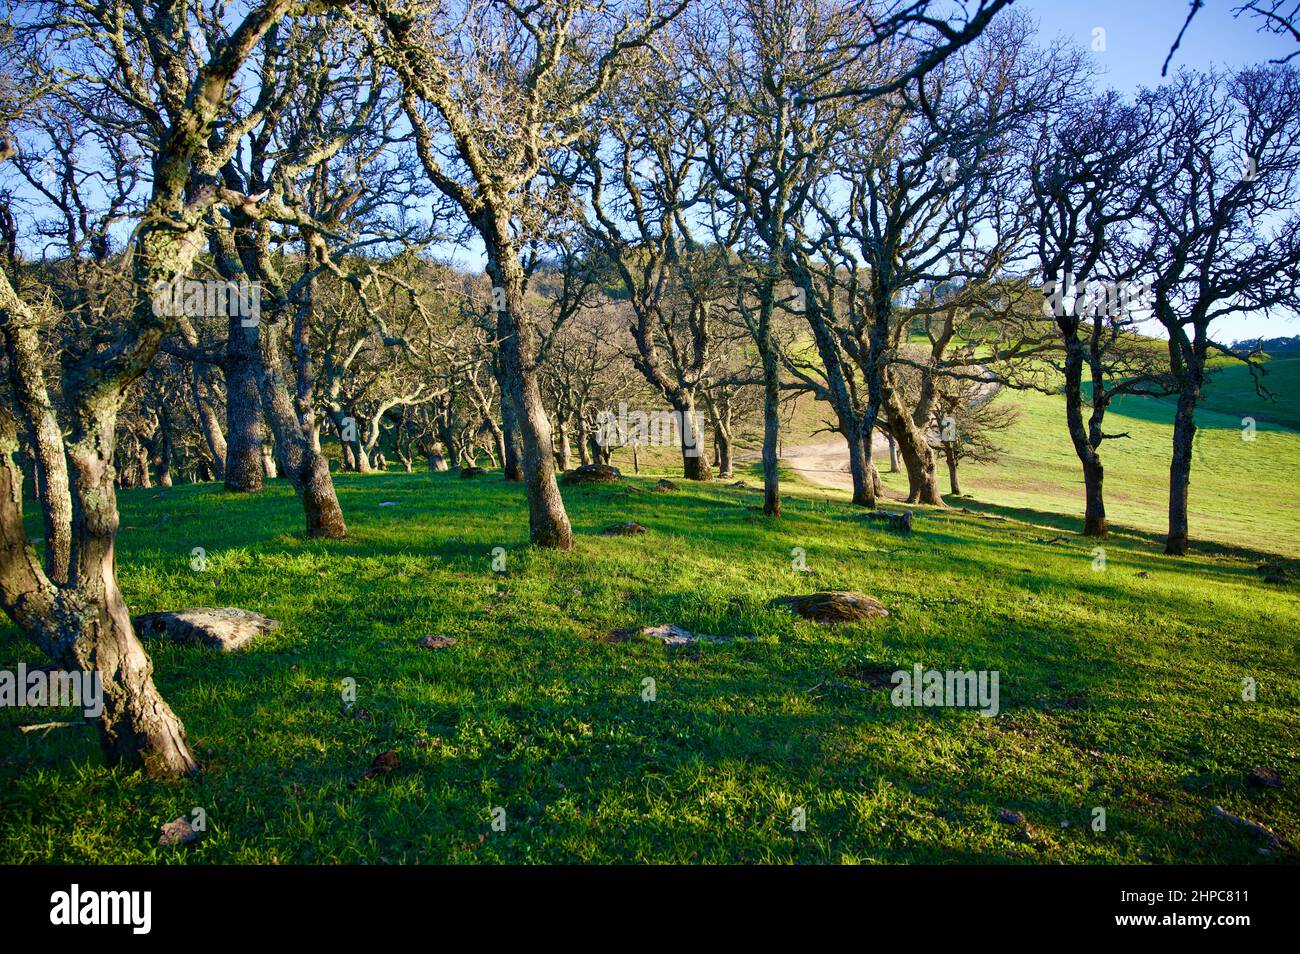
564, 452
548, 522
509, 444
695, 465
584, 441
864, 489
951, 454
86, 626
51, 467
1180, 470
722, 445
918, 456
202, 388
142, 466
771, 429
307, 469
268, 461
243, 413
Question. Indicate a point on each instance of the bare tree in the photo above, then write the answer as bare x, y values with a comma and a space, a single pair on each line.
493, 94
1223, 221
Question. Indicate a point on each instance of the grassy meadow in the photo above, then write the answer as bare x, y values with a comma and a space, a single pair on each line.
1120, 689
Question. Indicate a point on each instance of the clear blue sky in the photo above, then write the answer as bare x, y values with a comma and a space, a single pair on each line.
1138, 36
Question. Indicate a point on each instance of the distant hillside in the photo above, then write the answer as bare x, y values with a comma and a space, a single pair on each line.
1272, 346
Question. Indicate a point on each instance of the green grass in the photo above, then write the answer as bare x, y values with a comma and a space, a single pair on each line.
1231, 391
1120, 689
1243, 491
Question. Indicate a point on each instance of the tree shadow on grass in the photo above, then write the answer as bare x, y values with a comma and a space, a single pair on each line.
1074, 525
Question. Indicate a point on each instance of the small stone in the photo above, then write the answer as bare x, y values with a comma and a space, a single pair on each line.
668, 634
176, 832
466, 473
1009, 817
626, 529
437, 642
1264, 777
835, 606
1143, 574
665, 487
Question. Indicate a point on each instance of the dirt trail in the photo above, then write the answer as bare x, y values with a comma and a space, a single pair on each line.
825, 464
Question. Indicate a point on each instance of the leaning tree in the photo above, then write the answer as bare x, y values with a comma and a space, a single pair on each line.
143, 69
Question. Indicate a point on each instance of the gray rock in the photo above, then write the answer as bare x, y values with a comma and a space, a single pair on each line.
226, 629
593, 474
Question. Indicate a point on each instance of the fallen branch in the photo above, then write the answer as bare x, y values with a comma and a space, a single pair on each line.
48, 725
1259, 829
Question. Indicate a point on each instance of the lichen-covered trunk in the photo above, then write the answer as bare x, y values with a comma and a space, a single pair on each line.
695, 465
137, 726
306, 469
27, 377
243, 412
547, 519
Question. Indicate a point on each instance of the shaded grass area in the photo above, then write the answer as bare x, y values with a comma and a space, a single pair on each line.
1118, 690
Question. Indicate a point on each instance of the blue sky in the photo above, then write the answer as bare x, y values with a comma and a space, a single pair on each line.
1138, 36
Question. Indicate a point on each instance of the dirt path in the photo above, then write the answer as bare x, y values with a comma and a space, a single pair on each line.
825, 464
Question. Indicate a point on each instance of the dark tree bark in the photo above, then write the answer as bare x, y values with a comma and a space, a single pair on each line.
722, 446
1180, 469
243, 411
508, 442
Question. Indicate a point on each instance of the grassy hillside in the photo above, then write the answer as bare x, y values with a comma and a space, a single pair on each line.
1231, 392
1120, 688
1242, 491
